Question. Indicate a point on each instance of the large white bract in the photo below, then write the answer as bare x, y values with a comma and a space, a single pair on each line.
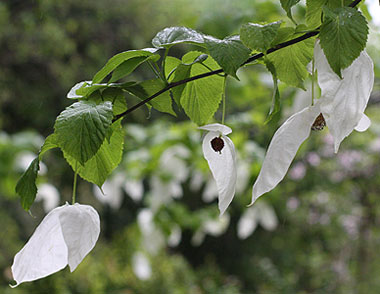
64, 237
342, 105
221, 162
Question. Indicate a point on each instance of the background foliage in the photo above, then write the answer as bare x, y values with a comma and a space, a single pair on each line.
316, 233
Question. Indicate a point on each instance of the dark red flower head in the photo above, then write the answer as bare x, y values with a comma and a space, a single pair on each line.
217, 144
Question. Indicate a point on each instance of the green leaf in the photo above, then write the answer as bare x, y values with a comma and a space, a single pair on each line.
229, 53
173, 72
176, 35
116, 96
171, 64
287, 6
126, 68
283, 34
182, 72
147, 88
290, 62
120, 58
314, 12
86, 88
107, 158
200, 99
50, 143
337, 3
82, 127
26, 185
276, 102
259, 37
343, 36
72, 94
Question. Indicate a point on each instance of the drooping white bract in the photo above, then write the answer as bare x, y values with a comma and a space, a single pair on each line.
64, 237
342, 105
343, 101
219, 152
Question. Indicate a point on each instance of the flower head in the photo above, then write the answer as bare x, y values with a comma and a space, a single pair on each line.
341, 107
64, 237
219, 152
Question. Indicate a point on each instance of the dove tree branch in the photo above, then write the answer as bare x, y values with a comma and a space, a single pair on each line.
219, 71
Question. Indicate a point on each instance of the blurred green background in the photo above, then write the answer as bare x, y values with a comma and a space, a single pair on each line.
317, 232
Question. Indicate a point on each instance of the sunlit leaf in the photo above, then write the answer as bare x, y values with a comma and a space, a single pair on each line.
200, 99
176, 35
119, 59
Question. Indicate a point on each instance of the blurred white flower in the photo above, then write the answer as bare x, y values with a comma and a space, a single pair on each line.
243, 174
64, 237
175, 236
219, 152
141, 266
172, 162
213, 226
210, 191
162, 193
49, 195
375, 145
341, 107
262, 214
134, 188
112, 191
153, 239
172, 171
196, 181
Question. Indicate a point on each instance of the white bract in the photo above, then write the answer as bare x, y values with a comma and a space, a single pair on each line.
342, 105
64, 237
219, 152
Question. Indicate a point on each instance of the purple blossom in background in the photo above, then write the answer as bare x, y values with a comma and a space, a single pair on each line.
348, 159
298, 171
313, 159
